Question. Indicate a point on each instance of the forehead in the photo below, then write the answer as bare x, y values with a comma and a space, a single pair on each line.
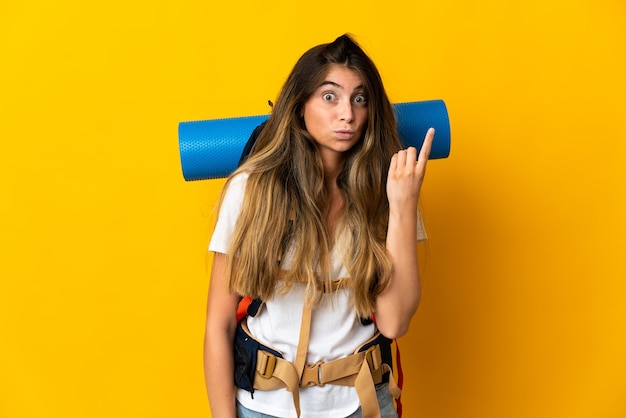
342, 77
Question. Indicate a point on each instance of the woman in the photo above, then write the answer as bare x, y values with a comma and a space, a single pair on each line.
320, 225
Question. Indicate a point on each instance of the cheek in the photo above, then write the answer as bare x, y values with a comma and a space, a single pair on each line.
361, 114
362, 117
312, 119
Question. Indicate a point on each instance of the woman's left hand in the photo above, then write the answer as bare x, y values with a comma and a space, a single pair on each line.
406, 173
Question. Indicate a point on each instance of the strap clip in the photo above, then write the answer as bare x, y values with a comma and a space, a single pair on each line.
312, 375
266, 363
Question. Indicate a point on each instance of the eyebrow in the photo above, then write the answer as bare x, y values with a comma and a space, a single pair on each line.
332, 83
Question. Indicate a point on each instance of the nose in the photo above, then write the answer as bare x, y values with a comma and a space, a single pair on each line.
345, 111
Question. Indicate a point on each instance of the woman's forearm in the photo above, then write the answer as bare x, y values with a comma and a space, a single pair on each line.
218, 373
221, 324
397, 304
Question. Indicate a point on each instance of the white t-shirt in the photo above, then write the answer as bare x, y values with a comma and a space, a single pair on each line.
336, 330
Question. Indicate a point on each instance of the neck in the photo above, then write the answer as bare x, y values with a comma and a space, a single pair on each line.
333, 164
335, 202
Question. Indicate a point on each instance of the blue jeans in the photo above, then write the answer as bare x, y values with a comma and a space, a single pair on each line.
385, 403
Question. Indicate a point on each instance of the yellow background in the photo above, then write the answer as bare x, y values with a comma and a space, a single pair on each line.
103, 275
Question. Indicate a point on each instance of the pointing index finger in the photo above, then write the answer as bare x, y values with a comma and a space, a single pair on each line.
427, 145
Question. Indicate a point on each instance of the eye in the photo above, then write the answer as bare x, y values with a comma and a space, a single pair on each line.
360, 99
328, 97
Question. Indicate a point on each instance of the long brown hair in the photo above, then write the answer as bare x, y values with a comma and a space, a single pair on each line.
285, 202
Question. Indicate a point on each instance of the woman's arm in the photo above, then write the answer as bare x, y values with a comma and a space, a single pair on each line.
221, 325
397, 304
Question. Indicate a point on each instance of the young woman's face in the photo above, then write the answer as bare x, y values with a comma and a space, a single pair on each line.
336, 113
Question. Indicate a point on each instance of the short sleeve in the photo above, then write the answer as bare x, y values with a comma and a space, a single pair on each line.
228, 215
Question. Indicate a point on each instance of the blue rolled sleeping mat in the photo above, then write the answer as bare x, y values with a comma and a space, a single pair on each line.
211, 149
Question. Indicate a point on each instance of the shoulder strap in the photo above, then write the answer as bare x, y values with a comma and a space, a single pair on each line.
247, 149
248, 307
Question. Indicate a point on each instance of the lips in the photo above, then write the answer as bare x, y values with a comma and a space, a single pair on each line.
347, 134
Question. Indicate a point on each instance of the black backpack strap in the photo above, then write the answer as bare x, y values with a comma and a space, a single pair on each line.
247, 149
366, 321
254, 307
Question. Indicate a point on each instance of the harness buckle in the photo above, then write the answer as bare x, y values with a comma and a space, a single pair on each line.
374, 359
266, 363
312, 375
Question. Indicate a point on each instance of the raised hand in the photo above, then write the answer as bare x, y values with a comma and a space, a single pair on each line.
406, 173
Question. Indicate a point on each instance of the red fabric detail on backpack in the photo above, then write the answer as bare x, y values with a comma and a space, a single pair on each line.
242, 309
400, 379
